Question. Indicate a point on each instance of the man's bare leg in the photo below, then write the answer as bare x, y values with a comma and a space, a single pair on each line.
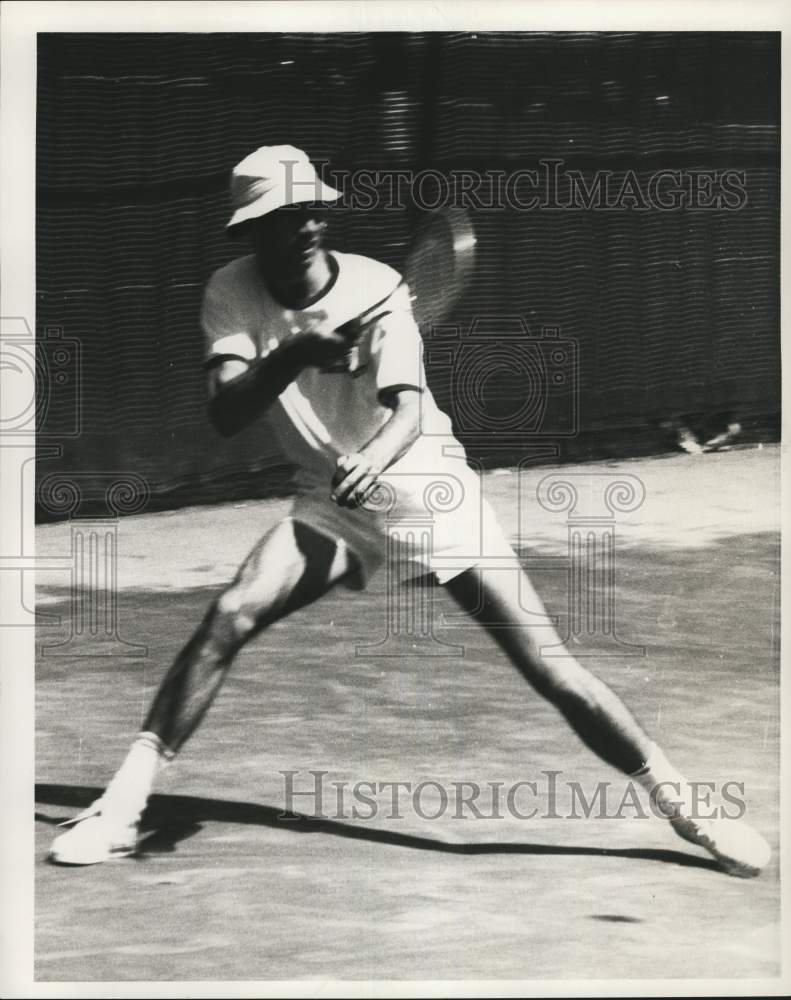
597, 714
292, 566
593, 710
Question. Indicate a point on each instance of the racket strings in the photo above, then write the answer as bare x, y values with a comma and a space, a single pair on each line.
431, 271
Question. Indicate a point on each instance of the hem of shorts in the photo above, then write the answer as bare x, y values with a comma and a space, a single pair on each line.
357, 578
452, 574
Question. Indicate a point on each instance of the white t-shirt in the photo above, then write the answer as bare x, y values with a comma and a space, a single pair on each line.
322, 415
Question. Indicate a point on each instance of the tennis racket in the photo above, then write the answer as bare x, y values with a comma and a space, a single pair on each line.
437, 265
438, 262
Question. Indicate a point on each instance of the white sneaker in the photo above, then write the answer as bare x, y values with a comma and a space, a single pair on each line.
723, 441
688, 441
92, 838
740, 849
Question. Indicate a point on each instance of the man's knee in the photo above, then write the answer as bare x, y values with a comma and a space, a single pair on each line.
236, 618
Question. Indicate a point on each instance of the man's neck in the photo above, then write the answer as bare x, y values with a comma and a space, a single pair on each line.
302, 289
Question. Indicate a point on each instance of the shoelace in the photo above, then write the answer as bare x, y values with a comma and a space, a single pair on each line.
92, 810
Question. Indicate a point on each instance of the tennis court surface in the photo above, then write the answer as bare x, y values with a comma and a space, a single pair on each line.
227, 889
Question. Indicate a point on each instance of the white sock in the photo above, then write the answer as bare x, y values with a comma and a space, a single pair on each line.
666, 786
125, 797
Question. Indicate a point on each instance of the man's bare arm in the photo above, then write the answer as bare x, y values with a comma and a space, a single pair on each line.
240, 391
356, 475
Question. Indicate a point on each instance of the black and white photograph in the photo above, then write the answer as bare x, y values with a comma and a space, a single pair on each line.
391, 457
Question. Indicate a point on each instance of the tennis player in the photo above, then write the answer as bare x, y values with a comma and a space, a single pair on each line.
350, 407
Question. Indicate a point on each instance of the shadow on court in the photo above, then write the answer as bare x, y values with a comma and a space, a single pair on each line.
170, 819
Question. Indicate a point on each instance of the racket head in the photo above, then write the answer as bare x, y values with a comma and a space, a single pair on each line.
439, 261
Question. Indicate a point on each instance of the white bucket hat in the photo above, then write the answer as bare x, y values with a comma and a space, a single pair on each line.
271, 177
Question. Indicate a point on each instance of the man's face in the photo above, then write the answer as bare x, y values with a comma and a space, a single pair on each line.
287, 240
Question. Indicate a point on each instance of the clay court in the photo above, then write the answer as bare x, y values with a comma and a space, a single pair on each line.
225, 888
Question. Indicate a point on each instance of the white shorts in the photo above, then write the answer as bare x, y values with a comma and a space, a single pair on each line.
445, 529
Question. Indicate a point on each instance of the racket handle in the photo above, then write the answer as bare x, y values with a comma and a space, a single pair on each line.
366, 324
354, 328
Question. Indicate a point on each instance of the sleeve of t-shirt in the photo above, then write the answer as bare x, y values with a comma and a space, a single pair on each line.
223, 325
397, 348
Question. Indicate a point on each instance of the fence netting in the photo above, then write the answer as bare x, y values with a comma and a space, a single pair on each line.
672, 311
